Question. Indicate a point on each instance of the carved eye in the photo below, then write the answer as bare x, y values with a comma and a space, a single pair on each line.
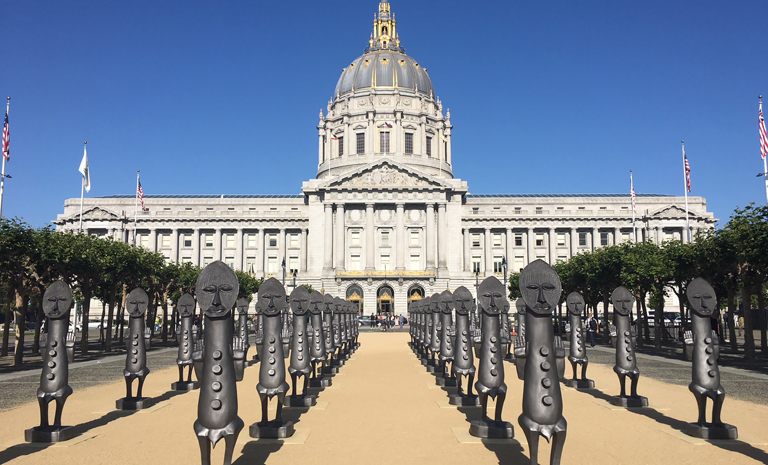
707, 296
62, 299
225, 287
133, 302
548, 287
210, 289
532, 287
498, 294
52, 299
487, 294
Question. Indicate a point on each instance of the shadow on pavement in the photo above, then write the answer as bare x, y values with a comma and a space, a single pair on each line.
258, 451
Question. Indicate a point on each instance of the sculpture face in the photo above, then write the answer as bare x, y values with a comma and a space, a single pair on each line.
434, 303
425, 307
622, 300
446, 302
520, 305
337, 305
57, 299
271, 297
702, 297
242, 306
575, 303
217, 289
186, 305
136, 303
540, 287
329, 304
299, 300
316, 303
491, 296
463, 301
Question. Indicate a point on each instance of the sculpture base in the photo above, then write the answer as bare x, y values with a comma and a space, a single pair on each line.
272, 430
492, 429
133, 404
710, 431
434, 369
464, 401
629, 402
509, 357
447, 382
320, 382
49, 433
185, 386
307, 400
580, 383
330, 370
424, 362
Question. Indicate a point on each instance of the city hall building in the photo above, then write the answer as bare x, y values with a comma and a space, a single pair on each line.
385, 221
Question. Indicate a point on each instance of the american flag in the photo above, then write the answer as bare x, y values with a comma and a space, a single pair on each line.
763, 134
6, 138
140, 193
687, 171
634, 210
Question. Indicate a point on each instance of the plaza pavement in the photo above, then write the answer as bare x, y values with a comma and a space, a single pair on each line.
383, 408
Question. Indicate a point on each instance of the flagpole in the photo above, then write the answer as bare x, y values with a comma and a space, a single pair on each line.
82, 194
136, 207
632, 190
685, 191
765, 162
2, 175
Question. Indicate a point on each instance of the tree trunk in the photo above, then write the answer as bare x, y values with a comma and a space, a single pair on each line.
7, 327
646, 327
38, 326
86, 316
731, 319
101, 326
606, 302
658, 322
749, 336
165, 321
110, 318
761, 319
20, 316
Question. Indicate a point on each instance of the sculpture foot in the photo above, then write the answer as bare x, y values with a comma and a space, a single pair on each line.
464, 401
320, 382
446, 382
492, 429
134, 403
185, 386
712, 431
272, 430
580, 383
307, 400
49, 434
629, 402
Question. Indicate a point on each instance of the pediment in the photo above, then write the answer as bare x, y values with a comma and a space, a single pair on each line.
97, 213
386, 174
673, 211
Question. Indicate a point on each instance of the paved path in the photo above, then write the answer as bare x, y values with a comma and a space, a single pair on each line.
383, 408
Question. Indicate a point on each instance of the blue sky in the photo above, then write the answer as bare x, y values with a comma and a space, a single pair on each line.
223, 97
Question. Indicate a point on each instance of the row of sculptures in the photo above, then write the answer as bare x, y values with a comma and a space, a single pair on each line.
449, 328
317, 332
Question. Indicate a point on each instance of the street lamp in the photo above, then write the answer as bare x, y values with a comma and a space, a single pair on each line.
504, 266
283, 265
295, 272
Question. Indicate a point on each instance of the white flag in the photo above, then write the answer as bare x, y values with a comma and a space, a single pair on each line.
85, 171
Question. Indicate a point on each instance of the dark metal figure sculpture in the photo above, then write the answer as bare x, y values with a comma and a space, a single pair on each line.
706, 375
434, 336
272, 370
490, 377
338, 336
463, 361
216, 289
447, 333
300, 356
519, 340
626, 364
506, 334
240, 343
136, 357
542, 401
578, 353
331, 367
186, 337
54, 379
317, 351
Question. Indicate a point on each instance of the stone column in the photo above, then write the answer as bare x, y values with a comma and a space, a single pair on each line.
369, 134
530, 241
488, 252
658, 234
175, 245
239, 250
574, 241
399, 137
328, 252
448, 147
467, 254
370, 258
196, 246
616, 235
400, 239
340, 233
347, 141
423, 136
430, 239
217, 233
509, 253
153, 240
442, 241
260, 255
552, 243
320, 144
440, 145
282, 247
595, 239
303, 250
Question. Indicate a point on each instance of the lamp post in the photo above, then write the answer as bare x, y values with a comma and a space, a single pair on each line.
283, 265
295, 272
504, 267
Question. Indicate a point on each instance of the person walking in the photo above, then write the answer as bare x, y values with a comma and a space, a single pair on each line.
401, 320
592, 329
373, 320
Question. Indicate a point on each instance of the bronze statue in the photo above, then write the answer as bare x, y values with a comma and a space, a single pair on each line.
186, 338
578, 353
463, 360
300, 356
317, 350
240, 342
445, 305
136, 357
626, 363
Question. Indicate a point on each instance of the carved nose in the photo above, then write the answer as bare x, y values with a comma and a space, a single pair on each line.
540, 299
216, 299
704, 303
271, 302
56, 305
493, 301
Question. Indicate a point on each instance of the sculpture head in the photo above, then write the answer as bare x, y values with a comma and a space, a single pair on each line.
490, 296
424, 305
328, 304
701, 296
540, 287
316, 303
136, 303
575, 303
217, 289
57, 300
463, 301
186, 305
622, 300
446, 301
299, 300
434, 303
271, 297
520, 306
242, 306
338, 305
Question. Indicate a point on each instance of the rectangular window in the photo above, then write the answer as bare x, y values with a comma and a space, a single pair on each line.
251, 240
250, 264
625, 236
415, 262
186, 259
496, 240
293, 264
272, 265
144, 240
354, 262
165, 240
409, 143
230, 261
384, 141
497, 267
562, 258
519, 262
385, 261
208, 241
229, 241
603, 238
207, 261
560, 239
385, 238
186, 239
539, 240
475, 240
476, 264
360, 143
582, 239
272, 240
429, 146
518, 240
341, 146
294, 241
539, 210
415, 238
354, 238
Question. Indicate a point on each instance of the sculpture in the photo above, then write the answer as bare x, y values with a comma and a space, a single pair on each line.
520, 339
434, 337
240, 343
317, 351
272, 370
186, 338
626, 364
463, 361
578, 353
490, 377
328, 335
706, 375
338, 309
54, 378
136, 356
445, 304
300, 357
542, 401
216, 289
